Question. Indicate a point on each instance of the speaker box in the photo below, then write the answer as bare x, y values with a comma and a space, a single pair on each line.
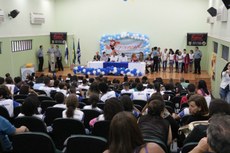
212, 11
226, 3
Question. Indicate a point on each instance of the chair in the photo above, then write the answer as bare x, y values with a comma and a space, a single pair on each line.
101, 105
20, 96
33, 142
41, 98
159, 142
51, 114
85, 144
4, 113
188, 147
47, 103
89, 114
101, 128
65, 127
81, 105
34, 124
142, 103
40, 92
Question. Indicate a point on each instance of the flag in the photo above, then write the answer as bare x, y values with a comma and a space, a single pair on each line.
78, 52
74, 53
66, 53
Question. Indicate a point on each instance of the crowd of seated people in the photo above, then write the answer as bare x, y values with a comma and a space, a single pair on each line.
159, 119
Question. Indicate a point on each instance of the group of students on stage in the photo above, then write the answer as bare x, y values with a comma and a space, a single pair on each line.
182, 59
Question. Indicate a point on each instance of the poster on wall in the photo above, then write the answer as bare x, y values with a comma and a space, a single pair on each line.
127, 43
213, 66
197, 39
58, 37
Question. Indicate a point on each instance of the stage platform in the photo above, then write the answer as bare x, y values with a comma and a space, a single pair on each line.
166, 76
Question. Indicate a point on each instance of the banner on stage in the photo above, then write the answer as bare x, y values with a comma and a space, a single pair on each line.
127, 43
197, 39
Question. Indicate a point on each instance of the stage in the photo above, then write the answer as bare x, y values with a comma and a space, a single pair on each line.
193, 78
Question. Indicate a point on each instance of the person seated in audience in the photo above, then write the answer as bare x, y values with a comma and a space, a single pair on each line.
126, 89
72, 110
123, 58
134, 58
29, 107
96, 57
5, 101
7, 129
217, 106
128, 105
140, 94
60, 99
47, 88
125, 136
93, 100
203, 90
111, 108
11, 86
141, 57
105, 93
104, 57
218, 134
113, 57
198, 110
153, 125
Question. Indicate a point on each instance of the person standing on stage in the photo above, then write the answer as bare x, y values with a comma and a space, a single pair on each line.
51, 61
197, 58
40, 58
97, 57
58, 56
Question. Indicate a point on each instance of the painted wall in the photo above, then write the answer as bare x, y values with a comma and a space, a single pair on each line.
166, 22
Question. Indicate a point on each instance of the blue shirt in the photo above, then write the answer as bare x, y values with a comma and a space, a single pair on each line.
6, 128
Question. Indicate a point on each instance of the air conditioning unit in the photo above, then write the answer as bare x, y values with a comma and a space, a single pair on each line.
222, 14
37, 18
1, 16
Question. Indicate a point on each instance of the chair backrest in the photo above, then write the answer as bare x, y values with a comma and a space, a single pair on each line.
32, 142
20, 96
142, 103
101, 128
4, 112
65, 127
47, 103
51, 114
188, 147
85, 144
41, 98
34, 124
89, 114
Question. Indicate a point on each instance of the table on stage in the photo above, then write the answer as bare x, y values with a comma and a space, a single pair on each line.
131, 65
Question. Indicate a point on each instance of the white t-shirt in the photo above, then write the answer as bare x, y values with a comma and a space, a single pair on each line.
109, 94
78, 114
9, 105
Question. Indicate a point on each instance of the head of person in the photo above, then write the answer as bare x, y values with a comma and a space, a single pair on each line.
127, 103
124, 133
71, 104
219, 106
198, 105
59, 97
94, 99
156, 107
29, 107
218, 133
111, 108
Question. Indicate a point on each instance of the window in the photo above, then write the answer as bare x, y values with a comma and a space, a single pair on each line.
21, 45
215, 47
225, 52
